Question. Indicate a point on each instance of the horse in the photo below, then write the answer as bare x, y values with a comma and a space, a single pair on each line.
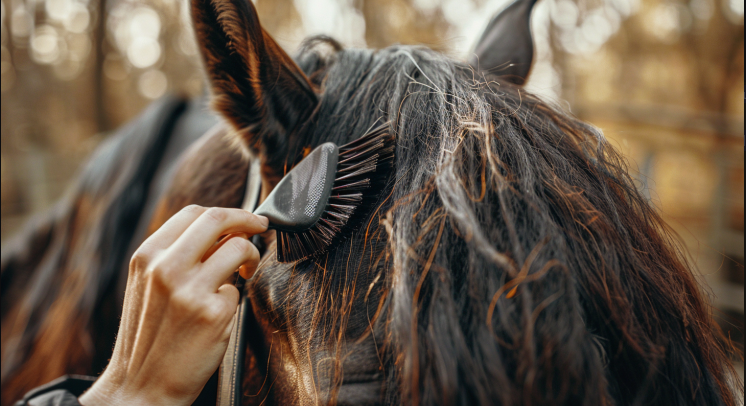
509, 260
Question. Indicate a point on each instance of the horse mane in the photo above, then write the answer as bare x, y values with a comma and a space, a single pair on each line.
524, 266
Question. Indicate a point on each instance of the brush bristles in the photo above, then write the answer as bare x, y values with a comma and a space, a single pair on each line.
362, 170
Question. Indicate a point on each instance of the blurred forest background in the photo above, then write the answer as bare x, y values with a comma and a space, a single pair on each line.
662, 78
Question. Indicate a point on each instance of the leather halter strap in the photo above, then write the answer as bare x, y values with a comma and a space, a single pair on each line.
231, 368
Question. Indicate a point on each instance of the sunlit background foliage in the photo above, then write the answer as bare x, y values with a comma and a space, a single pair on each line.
664, 79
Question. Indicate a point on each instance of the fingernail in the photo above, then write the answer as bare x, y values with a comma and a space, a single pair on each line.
263, 221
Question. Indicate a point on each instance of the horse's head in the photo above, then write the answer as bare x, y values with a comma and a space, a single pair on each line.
500, 264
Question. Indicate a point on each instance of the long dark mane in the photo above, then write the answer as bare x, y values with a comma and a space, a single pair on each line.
521, 264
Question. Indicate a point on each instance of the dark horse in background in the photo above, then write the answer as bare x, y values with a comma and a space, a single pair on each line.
510, 260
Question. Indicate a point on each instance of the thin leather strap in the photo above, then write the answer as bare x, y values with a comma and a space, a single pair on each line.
253, 187
229, 381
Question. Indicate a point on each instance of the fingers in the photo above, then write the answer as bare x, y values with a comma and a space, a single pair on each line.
210, 225
235, 252
174, 227
230, 294
246, 272
220, 243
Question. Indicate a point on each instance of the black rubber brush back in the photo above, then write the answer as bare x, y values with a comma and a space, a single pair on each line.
298, 201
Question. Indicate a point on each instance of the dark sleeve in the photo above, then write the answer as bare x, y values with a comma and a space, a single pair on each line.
63, 391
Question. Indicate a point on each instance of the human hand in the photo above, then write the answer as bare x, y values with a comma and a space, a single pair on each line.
176, 319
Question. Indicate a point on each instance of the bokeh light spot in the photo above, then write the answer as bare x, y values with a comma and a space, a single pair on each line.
78, 20
21, 22
565, 14
663, 22
736, 6
45, 45
145, 23
626, 7
152, 84
59, 9
187, 44
596, 29
143, 52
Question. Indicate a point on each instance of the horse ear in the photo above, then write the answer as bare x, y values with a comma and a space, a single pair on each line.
506, 47
255, 84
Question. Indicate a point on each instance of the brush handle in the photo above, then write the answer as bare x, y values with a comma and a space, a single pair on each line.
299, 200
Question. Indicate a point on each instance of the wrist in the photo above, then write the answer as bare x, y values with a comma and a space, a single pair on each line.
105, 393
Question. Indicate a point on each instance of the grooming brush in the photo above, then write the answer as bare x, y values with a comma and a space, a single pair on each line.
326, 195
